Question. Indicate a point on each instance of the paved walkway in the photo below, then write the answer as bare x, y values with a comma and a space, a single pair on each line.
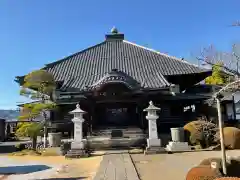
116, 167
172, 166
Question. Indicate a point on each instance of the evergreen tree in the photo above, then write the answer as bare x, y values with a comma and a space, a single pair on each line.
39, 86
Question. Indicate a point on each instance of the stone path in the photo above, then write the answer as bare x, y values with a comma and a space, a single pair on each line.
116, 167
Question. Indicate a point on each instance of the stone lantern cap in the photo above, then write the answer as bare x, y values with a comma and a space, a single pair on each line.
77, 110
152, 107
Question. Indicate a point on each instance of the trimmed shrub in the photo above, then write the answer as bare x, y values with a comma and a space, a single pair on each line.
203, 173
191, 127
191, 133
197, 138
200, 132
232, 137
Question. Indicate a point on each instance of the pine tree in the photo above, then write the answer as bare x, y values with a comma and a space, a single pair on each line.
39, 86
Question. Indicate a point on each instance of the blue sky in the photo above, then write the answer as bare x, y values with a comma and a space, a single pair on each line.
34, 33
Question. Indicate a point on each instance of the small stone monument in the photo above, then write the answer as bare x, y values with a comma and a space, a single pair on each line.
177, 144
153, 142
54, 139
177, 134
77, 146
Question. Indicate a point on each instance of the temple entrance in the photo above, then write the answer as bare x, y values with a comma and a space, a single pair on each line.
117, 124
115, 106
117, 114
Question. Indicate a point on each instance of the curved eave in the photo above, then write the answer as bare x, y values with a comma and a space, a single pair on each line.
188, 80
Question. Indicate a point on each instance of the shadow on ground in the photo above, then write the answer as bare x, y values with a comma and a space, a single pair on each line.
23, 169
77, 178
233, 169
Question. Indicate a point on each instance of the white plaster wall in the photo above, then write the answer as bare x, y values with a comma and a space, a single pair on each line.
237, 104
230, 111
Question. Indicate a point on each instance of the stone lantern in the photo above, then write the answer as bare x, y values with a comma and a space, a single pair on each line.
78, 122
153, 142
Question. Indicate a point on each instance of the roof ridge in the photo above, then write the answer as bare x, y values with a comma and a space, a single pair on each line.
74, 54
155, 51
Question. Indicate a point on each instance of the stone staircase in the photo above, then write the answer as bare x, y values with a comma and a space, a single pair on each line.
127, 132
117, 137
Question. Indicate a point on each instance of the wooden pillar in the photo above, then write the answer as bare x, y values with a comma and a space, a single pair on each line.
91, 119
141, 119
234, 107
91, 105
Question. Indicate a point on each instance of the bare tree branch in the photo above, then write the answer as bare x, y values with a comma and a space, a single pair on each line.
236, 23
233, 86
229, 61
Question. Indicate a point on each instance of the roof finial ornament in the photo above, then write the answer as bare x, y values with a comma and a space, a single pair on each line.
150, 103
114, 30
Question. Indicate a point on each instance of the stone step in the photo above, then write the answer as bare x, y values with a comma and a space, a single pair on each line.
123, 129
98, 143
126, 132
123, 132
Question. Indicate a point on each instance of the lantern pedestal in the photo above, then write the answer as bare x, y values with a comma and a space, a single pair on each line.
153, 143
77, 145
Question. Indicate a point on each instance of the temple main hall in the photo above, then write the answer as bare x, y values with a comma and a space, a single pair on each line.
114, 80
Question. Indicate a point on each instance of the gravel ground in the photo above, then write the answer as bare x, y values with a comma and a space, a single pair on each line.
172, 166
33, 168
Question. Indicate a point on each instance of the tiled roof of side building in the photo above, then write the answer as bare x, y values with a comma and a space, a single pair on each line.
148, 67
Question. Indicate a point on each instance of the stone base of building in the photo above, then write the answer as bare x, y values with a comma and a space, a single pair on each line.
178, 146
155, 150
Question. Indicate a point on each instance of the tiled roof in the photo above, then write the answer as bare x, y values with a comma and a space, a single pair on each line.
148, 67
